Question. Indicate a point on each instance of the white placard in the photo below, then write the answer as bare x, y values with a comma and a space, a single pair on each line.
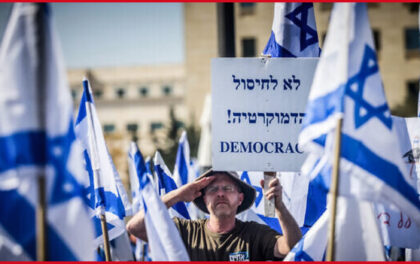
257, 112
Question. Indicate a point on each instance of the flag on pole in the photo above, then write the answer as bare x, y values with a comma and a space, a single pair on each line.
357, 234
293, 33
204, 146
105, 192
348, 84
37, 138
183, 172
167, 184
163, 237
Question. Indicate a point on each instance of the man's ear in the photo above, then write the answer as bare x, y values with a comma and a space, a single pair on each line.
241, 198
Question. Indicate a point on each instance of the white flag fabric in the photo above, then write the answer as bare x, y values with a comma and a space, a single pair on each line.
167, 184
163, 237
183, 173
293, 33
105, 191
398, 229
37, 138
357, 235
204, 146
348, 84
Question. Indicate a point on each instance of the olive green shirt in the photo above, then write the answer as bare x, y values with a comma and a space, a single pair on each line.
246, 241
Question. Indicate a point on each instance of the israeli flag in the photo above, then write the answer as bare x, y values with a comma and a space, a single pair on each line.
164, 240
348, 84
37, 139
183, 172
357, 235
293, 33
166, 184
105, 192
135, 166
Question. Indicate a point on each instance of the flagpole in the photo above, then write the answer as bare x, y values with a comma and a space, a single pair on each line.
41, 209
41, 213
334, 191
96, 177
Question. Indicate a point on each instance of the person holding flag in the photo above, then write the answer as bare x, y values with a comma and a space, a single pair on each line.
222, 236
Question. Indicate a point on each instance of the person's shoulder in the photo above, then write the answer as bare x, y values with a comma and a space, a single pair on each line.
256, 227
188, 222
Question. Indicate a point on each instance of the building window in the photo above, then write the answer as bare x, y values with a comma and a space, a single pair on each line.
377, 39
109, 128
132, 127
155, 125
167, 90
74, 94
144, 91
247, 8
412, 42
326, 6
98, 94
248, 47
413, 87
413, 8
120, 92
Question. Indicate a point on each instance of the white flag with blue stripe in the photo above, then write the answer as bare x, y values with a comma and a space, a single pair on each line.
293, 33
185, 173
105, 192
166, 184
357, 235
163, 237
348, 84
37, 138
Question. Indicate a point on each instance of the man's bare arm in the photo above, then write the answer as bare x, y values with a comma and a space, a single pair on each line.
186, 193
291, 231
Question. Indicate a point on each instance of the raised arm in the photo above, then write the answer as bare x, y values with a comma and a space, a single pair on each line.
291, 231
186, 193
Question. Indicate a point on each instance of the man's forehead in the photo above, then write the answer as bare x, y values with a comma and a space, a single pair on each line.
221, 177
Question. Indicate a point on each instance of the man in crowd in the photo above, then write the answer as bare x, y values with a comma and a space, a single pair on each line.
222, 195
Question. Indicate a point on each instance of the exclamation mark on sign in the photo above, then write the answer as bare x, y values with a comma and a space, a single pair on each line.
228, 112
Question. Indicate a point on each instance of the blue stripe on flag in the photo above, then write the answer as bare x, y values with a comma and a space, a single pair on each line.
322, 108
356, 152
22, 148
113, 204
82, 110
275, 50
87, 92
21, 227
169, 185
182, 165
17, 217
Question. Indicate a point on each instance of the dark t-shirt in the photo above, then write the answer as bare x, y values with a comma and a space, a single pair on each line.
247, 241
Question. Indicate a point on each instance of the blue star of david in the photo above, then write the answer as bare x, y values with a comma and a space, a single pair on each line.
300, 254
245, 177
359, 80
302, 23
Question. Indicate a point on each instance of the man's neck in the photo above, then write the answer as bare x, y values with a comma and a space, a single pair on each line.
221, 225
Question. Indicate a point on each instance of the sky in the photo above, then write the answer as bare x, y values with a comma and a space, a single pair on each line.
116, 34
